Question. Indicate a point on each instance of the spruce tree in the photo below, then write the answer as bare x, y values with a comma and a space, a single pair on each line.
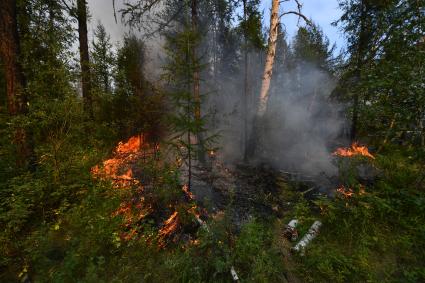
102, 58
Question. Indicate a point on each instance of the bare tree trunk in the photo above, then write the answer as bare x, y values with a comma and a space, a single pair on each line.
267, 75
84, 57
15, 80
196, 84
271, 52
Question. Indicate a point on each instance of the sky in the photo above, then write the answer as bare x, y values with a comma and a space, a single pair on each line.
322, 12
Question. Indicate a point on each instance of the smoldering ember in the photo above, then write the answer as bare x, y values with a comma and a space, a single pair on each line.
212, 141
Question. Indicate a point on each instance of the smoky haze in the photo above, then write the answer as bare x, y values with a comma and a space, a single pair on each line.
302, 124
103, 11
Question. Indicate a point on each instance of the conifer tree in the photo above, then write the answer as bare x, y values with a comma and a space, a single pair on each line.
102, 58
186, 123
84, 57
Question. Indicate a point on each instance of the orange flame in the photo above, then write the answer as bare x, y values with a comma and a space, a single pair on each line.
355, 149
118, 170
188, 193
170, 226
346, 193
131, 146
124, 154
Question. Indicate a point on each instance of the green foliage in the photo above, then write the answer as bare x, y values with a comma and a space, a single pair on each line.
103, 59
185, 118
252, 254
252, 26
377, 234
385, 68
312, 46
137, 106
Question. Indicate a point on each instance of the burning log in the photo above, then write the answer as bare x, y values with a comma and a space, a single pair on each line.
290, 231
311, 234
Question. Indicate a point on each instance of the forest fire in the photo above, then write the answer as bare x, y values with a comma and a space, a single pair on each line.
354, 150
119, 170
124, 154
170, 226
345, 192
188, 193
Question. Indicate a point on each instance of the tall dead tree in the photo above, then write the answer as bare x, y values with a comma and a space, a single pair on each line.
265, 83
271, 52
268, 69
15, 80
84, 57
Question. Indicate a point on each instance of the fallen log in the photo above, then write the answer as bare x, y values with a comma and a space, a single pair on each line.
311, 234
234, 274
290, 231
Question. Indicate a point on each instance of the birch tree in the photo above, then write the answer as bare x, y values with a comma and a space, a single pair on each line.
271, 52
268, 67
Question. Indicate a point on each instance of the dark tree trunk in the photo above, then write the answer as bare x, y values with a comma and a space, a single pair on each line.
361, 52
196, 84
15, 80
245, 94
84, 56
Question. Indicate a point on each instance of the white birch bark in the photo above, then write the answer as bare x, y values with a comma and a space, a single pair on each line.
271, 51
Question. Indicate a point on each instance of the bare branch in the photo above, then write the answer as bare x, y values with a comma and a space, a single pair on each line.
71, 10
299, 16
115, 13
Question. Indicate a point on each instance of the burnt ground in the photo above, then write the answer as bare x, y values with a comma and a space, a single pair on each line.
246, 191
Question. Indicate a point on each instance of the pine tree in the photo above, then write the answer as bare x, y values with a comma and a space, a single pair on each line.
84, 57
17, 101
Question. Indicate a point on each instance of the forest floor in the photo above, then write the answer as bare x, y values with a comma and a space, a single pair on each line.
141, 224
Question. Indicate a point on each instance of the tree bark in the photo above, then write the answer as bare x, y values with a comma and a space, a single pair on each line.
271, 51
84, 57
17, 102
196, 84
245, 94
265, 84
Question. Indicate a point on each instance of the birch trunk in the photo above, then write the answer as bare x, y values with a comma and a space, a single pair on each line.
271, 52
265, 84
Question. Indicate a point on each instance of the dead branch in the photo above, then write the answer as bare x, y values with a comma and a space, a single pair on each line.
298, 13
115, 13
299, 16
